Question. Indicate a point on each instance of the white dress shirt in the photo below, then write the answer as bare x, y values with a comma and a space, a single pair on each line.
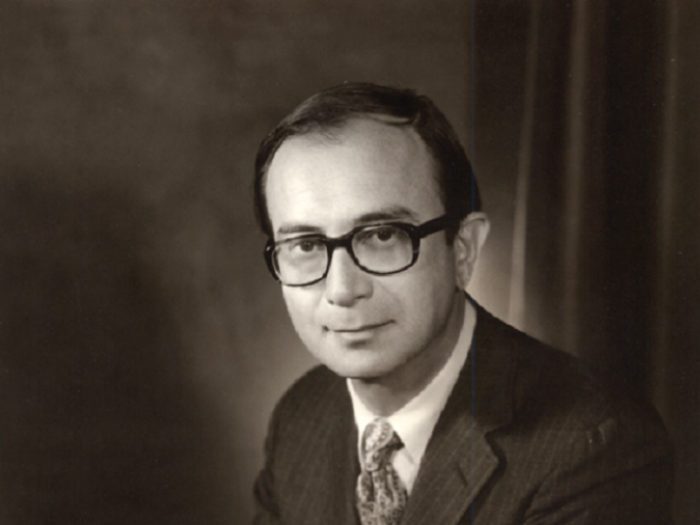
415, 421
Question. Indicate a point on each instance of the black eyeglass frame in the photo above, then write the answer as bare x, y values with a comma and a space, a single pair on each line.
415, 233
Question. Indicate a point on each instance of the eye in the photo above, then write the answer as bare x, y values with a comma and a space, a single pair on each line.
380, 236
385, 234
303, 245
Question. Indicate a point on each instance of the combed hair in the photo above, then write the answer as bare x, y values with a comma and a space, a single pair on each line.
332, 108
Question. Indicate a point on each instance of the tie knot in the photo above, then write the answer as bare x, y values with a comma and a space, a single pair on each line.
378, 442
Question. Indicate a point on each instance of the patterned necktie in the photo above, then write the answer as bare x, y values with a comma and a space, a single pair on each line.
381, 496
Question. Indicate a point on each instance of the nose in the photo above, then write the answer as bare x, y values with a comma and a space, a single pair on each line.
345, 282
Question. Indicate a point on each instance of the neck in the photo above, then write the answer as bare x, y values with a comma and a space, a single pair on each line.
384, 396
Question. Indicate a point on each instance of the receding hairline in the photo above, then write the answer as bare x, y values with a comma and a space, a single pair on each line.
327, 112
339, 132
336, 132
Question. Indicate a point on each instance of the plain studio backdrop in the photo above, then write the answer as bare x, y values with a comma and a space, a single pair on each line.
142, 343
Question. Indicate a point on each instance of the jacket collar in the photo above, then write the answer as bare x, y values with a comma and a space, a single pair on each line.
491, 370
459, 460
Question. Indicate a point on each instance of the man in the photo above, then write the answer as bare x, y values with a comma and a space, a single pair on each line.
426, 409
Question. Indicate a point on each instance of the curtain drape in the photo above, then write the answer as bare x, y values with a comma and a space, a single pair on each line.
605, 242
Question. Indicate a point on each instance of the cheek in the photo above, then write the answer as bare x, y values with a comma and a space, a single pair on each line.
437, 268
301, 305
434, 285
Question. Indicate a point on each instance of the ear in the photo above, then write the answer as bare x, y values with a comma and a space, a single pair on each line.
472, 233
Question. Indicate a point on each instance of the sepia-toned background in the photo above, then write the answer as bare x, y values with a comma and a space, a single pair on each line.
143, 345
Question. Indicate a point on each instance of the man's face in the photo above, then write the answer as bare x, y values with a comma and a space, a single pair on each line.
361, 325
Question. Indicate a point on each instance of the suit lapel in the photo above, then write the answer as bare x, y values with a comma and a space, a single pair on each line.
455, 467
344, 466
327, 484
459, 460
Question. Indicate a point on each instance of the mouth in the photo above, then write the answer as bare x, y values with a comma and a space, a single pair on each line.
364, 329
357, 335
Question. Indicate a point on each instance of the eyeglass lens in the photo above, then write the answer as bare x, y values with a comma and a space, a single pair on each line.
378, 249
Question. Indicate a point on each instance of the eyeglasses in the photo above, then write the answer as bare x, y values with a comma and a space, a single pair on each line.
379, 249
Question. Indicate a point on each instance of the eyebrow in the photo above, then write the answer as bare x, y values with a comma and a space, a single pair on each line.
287, 229
392, 213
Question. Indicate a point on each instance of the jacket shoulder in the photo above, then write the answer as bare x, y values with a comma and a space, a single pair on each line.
311, 395
549, 384
577, 442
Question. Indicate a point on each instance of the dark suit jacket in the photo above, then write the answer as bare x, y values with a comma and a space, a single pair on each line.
528, 436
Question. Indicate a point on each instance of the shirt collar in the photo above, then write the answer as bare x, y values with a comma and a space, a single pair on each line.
415, 421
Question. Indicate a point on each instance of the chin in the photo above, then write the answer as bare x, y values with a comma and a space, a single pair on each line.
359, 364
350, 364
355, 371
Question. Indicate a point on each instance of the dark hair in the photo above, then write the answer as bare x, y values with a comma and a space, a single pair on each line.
333, 107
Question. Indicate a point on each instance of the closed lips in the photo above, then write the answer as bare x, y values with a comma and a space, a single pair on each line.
360, 328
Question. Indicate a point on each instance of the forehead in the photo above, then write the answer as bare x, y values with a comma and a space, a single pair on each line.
367, 167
